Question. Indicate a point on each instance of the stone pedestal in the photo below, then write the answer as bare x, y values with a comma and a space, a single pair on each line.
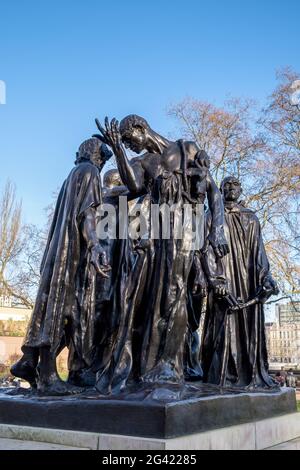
281, 432
190, 417
162, 413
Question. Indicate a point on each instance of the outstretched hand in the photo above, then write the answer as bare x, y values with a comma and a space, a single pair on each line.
110, 134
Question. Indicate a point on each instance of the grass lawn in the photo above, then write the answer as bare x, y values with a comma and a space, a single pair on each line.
64, 375
4, 374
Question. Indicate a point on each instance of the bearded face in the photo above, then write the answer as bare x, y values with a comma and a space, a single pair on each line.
231, 190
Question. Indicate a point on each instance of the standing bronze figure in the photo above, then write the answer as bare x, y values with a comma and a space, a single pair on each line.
64, 312
234, 344
150, 344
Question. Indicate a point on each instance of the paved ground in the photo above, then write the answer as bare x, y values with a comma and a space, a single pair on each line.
290, 445
14, 444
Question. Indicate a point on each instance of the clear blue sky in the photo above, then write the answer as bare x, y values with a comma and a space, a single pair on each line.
66, 62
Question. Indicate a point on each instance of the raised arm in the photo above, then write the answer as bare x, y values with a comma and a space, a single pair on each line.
216, 235
131, 175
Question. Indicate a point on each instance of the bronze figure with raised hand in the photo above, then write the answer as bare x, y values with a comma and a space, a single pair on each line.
160, 322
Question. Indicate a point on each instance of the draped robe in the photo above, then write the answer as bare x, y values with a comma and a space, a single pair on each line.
234, 345
151, 337
68, 283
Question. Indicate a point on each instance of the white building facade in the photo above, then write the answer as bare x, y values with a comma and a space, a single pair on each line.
283, 343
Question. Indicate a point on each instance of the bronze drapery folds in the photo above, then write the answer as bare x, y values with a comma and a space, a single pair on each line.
129, 310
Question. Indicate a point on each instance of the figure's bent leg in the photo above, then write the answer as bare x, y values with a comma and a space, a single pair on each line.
49, 383
25, 368
80, 374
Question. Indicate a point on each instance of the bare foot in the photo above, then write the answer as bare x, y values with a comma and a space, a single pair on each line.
58, 387
25, 370
162, 372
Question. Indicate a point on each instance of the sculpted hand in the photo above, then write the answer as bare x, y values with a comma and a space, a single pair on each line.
234, 304
110, 135
101, 267
219, 287
268, 289
104, 135
199, 288
271, 285
218, 241
220, 290
200, 281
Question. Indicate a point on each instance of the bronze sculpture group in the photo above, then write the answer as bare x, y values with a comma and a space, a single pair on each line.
129, 310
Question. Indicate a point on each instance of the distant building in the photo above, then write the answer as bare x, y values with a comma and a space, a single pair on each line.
14, 313
288, 313
283, 343
5, 301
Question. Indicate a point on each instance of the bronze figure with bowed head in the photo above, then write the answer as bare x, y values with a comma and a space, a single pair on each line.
72, 266
155, 353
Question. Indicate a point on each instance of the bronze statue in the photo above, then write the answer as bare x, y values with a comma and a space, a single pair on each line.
234, 345
118, 250
71, 270
133, 269
129, 310
150, 343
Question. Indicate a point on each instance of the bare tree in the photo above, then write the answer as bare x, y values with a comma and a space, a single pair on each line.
224, 133
263, 151
11, 242
278, 196
21, 247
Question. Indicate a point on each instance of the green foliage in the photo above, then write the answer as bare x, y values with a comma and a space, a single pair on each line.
63, 374
5, 374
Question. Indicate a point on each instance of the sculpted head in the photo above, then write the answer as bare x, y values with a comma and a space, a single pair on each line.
112, 178
231, 189
95, 151
134, 132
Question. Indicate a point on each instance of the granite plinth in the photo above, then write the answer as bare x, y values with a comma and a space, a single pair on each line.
164, 412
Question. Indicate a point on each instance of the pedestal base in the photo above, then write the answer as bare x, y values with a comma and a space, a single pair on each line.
274, 433
160, 413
